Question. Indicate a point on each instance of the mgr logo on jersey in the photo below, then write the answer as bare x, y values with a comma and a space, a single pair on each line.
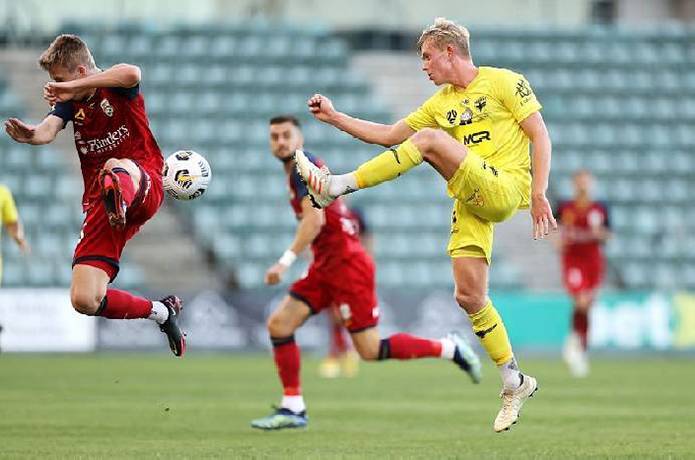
106, 107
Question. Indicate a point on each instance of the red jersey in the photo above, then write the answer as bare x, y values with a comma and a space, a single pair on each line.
111, 124
577, 220
339, 237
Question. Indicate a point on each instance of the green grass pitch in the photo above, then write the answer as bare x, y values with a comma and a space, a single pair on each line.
148, 406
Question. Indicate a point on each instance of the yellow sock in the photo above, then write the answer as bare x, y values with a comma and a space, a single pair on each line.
488, 326
388, 165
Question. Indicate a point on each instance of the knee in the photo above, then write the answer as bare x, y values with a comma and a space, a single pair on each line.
277, 327
425, 140
113, 163
470, 300
368, 351
85, 303
369, 354
582, 303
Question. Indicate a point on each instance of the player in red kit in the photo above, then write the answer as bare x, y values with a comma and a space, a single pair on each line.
122, 171
584, 228
342, 274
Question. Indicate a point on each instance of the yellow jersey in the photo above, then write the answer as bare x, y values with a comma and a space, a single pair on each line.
8, 210
8, 213
485, 116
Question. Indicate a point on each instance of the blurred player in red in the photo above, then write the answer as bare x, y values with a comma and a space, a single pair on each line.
121, 167
584, 228
342, 274
342, 360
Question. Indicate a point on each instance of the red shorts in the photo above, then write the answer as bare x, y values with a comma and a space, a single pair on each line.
350, 287
100, 245
582, 274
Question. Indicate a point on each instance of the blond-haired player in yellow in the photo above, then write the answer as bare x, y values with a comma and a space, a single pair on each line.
9, 218
475, 132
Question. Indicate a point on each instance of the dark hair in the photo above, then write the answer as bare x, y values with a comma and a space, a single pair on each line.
285, 119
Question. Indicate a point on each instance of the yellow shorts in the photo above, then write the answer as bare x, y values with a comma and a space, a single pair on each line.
483, 196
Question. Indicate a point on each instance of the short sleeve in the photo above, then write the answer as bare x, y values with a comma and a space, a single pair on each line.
7, 206
300, 189
517, 95
64, 110
424, 116
128, 93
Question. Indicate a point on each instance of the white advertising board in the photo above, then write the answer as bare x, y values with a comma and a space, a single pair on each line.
43, 320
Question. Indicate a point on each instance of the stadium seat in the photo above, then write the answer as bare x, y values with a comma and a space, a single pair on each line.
595, 85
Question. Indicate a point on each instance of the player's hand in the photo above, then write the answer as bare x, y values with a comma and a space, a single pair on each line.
19, 131
48, 95
24, 246
321, 108
542, 215
274, 274
59, 91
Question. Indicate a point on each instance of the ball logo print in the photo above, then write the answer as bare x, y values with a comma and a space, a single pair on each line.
183, 179
186, 175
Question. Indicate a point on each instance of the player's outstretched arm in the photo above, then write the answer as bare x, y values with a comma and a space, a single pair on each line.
16, 232
118, 76
43, 133
322, 109
541, 212
308, 229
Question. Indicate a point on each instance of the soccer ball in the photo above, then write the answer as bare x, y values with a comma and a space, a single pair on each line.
186, 175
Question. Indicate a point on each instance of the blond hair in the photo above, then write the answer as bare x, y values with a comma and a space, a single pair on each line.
67, 51
445, 32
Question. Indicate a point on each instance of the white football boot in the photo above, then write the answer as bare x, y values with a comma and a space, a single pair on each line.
316, 179
512, 400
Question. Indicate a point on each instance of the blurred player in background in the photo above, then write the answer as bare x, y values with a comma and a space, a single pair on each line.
9, 218
342, 360
342, 274
475, 132
584, 227
121, 167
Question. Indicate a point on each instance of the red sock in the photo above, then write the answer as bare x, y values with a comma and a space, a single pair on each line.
406, 346
124, 305
125, 182
580, 325
287, 360
338, 342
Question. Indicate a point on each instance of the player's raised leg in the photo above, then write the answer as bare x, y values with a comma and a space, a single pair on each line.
471, 277
402, 346
90, 295
282, 324
120, 183
435, 147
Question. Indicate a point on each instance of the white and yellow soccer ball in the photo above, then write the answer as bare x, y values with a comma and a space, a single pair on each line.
186, 174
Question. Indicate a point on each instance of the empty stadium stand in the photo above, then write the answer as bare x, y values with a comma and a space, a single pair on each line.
618, 102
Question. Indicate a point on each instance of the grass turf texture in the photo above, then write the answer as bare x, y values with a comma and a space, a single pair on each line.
123, 405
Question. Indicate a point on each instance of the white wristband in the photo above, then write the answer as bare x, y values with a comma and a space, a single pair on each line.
287, 258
